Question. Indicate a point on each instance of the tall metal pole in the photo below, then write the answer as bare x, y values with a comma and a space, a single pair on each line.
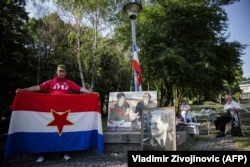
132, 8
133, 44
133, 32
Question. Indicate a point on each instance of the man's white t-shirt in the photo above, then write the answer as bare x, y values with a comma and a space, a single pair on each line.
232, 104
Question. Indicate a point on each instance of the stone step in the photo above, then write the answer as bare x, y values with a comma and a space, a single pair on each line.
131, 141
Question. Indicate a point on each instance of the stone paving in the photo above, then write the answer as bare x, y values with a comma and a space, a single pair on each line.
79, 159
82, 159
202, 142
215, 144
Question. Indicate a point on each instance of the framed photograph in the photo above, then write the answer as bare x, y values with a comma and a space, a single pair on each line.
158, 130
125, 109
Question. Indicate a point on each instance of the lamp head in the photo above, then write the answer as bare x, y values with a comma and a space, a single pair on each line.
132, 8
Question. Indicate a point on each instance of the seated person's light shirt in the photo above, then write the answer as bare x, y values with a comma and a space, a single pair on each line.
232, 104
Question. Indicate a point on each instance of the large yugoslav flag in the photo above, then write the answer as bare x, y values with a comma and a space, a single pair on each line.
137, 70
54, 123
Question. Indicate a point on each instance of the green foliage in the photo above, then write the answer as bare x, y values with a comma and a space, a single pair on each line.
209, 103
50, 45
185, 39
15, 57
196, 102
183, 51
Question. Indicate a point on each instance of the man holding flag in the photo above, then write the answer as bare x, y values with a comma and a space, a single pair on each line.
57, 86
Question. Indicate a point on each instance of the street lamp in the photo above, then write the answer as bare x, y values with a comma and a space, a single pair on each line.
132, 8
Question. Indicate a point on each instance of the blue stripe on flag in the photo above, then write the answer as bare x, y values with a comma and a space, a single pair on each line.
43, 142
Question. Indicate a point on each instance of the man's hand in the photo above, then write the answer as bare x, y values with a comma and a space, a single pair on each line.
18, 90
224, 114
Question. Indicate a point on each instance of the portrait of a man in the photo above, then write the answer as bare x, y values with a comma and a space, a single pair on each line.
159, 130
146, 102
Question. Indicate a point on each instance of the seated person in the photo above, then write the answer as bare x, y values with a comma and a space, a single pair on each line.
185, 111
231, 108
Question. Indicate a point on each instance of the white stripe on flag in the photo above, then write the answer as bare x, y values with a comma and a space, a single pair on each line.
27, 121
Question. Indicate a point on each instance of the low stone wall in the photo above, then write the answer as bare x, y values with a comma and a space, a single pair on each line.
121, 142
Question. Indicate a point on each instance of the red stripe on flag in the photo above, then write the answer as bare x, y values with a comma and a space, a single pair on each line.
137, 68
41, 102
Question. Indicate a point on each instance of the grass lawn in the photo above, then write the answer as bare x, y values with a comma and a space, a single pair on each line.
198, 108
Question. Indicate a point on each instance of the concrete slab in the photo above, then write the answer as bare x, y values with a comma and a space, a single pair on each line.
135, 137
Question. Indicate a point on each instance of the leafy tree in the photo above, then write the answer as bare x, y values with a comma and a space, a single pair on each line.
183, 49
50, 45
92, 45
184, 52
84, 12
96, 54
15, 58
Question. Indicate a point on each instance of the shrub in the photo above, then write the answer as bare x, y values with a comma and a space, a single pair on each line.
209, 103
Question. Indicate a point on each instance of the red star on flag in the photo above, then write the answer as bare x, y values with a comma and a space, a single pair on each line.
60, 120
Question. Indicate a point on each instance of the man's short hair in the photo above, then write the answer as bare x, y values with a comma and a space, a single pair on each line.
119, 95
147, 94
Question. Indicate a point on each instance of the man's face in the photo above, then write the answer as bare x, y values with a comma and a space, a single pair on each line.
121, 101
146, 97
157, 126
228, 99
61, 73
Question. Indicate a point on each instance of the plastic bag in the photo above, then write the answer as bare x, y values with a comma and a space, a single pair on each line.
236, 130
